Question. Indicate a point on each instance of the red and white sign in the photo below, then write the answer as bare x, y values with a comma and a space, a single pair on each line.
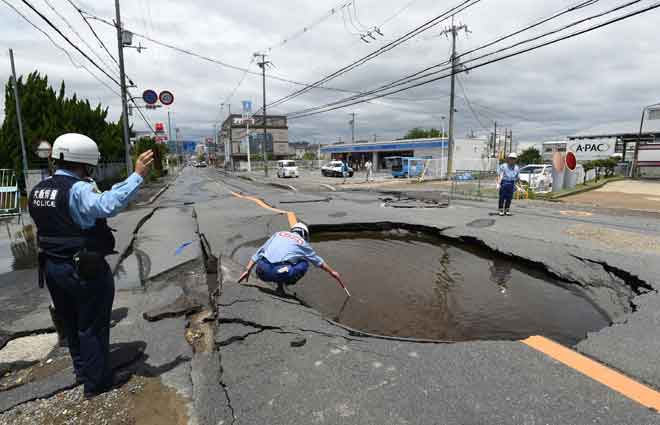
160, 127
166, 97
161, 139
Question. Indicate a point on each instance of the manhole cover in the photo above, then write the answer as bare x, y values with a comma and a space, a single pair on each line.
481, 223
419, 286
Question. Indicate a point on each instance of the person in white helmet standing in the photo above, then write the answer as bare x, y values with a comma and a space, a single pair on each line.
284, 259
507, 177
74, 239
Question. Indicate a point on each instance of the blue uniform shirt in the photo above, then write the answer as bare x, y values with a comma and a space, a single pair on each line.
509, 174
86, 204
287, 247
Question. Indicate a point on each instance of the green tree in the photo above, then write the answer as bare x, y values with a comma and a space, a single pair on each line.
587, 166
422, 133
46, 115
309, 156
530, 156
160, 151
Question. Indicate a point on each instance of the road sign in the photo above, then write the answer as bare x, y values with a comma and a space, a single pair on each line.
160, 127
166, 97
150, 97
247, 107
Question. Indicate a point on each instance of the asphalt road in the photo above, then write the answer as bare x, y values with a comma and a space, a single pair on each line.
278, 361
338, 377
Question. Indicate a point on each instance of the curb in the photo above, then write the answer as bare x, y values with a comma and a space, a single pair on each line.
585, 189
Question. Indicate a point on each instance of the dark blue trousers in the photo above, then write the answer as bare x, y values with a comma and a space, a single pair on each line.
85, 309
281, 273
506, 193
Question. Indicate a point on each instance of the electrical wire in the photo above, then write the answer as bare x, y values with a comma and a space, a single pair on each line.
415, 76
397, 13
216, 61
391, 45
424, 74
66, 52
469, 104
310, 26
80, 37
620, 18
85, 55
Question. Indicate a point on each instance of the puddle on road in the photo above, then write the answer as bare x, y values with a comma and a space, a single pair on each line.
419, 286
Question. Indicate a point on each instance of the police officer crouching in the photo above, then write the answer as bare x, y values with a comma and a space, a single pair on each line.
74, 239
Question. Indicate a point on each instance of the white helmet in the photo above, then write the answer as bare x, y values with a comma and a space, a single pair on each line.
301, 229
513, 155
78, 148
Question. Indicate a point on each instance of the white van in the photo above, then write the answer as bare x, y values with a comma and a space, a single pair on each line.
287, 168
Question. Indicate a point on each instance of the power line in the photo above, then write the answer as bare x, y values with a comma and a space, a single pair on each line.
310, 26
467, 101
325, 108
68, 24
66, 52
213, 60
41, 15
391, 45
421, 74
91, 28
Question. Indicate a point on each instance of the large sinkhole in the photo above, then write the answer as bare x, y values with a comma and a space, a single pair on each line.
417, 285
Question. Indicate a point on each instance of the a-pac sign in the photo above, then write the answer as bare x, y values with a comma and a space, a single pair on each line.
589, 149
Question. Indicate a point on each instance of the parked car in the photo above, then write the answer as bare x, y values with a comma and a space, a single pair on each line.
334, 169
287, 168
537, 176
201, 164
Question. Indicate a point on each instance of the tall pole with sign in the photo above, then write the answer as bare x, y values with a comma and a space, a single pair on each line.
124, 102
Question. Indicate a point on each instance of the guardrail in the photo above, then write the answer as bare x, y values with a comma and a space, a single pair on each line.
10, 197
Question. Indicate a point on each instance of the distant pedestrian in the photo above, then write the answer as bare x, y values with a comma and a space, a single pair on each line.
344, 170
285, 257
507, 177
370, 168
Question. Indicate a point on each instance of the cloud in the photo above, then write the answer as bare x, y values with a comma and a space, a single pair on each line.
602, 76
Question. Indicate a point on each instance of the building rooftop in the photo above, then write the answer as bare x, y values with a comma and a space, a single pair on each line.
619, 128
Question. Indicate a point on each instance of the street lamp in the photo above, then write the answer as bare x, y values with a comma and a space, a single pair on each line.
443, 126
635, 167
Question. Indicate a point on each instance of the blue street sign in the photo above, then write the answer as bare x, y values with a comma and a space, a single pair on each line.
247, 106
150, 97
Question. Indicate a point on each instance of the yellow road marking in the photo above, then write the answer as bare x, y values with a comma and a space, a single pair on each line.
616, 381
291, 216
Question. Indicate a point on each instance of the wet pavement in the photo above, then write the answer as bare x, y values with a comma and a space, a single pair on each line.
419, 286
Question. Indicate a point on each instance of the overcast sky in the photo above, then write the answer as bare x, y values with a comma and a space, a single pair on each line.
606, 75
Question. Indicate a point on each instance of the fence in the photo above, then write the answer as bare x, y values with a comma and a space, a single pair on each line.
10, 197
473, 184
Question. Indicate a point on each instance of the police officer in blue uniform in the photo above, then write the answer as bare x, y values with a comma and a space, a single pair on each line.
508, 176
74, 239
284, 259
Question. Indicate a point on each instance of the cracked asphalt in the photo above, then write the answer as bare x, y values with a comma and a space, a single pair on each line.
274, 360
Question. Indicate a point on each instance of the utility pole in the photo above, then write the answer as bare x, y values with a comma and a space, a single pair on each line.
352, 123
262, 65
453, 30
122, 82
495, 142
19, 118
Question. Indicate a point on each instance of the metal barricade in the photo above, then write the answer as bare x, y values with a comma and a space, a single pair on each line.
473, 184
10, 196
